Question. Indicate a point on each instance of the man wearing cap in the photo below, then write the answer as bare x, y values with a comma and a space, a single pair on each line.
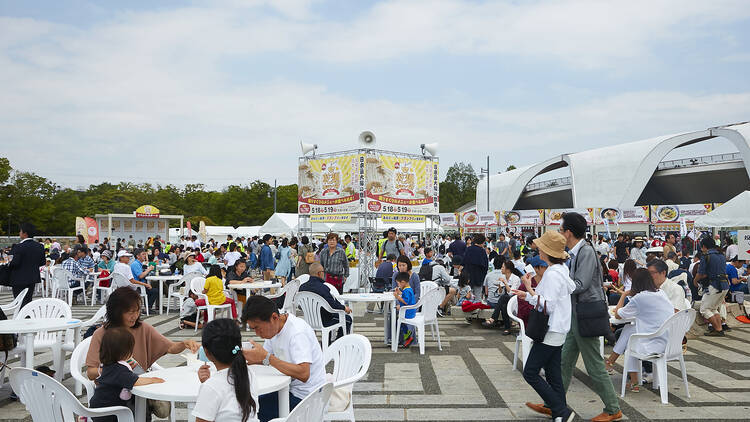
587, 276
122, 267
140, 270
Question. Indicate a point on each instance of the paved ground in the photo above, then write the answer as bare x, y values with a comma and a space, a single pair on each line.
472, 378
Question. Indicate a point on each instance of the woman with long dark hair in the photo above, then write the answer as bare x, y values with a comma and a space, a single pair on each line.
229, 394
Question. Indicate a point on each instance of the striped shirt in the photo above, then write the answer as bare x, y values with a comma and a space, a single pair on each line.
336, 264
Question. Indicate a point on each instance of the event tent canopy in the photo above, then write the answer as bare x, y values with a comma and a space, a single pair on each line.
287, 223
248, 231
733, 213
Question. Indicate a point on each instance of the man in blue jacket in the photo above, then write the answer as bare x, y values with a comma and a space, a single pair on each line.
316, 285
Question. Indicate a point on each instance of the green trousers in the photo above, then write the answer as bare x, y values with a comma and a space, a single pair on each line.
588, 347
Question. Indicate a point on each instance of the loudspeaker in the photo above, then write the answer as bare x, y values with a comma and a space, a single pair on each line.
307, 147
431, 148
367, 138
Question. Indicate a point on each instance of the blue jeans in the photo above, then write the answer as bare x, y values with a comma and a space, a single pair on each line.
550, 390
269, 405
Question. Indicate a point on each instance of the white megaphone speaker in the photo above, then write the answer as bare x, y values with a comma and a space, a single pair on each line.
307, 147
431, 148
367, 138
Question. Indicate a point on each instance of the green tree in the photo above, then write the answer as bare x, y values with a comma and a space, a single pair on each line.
459, 187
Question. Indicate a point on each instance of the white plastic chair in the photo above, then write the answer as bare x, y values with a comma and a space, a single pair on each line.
311, 305
103, 289
61, 285
426, 286
119, 280
45, 308
675, 327
521, 339
49, 401
312, 407
291, 289
304, 278
196, 286
173, 290
78, 361
11, 309
429, 302
351, 357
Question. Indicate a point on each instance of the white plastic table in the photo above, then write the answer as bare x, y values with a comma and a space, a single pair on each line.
29, 327
181, 385
161, 279
386, 298
255, 285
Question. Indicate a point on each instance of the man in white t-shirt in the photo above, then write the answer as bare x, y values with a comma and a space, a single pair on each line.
232, 256
122, 267
290, 346
676, 293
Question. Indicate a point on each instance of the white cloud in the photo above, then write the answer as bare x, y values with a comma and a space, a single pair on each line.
147, 94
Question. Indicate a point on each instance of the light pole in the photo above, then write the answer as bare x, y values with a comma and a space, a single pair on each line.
487, 172
274, 196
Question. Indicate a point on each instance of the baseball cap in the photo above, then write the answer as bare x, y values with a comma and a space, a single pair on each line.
122, 253
537, 262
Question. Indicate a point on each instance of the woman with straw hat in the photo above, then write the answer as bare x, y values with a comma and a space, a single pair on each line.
638, 252
552, 296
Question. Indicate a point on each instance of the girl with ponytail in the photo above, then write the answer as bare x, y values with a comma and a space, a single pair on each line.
229, 394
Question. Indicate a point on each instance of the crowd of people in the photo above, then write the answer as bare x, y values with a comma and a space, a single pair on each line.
562, 275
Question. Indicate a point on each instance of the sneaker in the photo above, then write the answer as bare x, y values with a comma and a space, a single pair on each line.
439, 313
539, 408
567, 418
725, 327
715, 333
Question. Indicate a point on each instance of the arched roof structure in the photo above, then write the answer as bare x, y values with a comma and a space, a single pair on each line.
593, 173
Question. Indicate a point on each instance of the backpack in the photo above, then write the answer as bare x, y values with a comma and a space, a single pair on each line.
425, 271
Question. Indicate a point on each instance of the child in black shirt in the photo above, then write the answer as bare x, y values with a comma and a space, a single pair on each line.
116, 377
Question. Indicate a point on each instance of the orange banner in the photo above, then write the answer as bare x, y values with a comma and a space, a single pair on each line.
92, 230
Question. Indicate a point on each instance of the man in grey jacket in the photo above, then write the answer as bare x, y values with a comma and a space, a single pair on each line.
587, 275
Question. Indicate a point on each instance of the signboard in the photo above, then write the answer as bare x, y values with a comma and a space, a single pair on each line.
147, 211
396, 218
553, 217
622, 215
478, 219
331, 218
743, 242
522, 218
80, 226
674, 213
401, 185
92, 230
331, 185
448, 219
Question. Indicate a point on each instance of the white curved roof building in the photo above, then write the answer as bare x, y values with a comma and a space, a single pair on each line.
627, 175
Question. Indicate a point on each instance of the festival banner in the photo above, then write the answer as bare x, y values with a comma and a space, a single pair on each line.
396, 184
478, 219
190, 229
673, 213
92, 230
522, 218
331, 218
397, 218
553, 217
622, 215
202, 231
448, 219
81, 227
147, 211
333, 185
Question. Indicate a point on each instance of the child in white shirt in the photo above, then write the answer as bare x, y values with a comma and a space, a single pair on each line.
229, 394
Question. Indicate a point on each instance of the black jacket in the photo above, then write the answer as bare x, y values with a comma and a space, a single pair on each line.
317, 285
28, 256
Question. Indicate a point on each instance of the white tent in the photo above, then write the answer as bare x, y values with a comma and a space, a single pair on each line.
248, 231
733, 213
352, 226
286, 223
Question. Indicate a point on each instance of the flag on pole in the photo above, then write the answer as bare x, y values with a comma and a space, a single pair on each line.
683, 227
92, 230
190, 229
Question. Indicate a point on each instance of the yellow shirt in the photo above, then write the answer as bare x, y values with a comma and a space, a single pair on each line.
215, 291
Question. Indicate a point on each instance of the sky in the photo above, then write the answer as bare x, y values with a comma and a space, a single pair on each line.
221, 92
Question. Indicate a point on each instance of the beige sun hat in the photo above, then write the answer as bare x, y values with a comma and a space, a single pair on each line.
552, 243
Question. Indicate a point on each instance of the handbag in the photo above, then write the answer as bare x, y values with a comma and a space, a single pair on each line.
593, 318
538, 324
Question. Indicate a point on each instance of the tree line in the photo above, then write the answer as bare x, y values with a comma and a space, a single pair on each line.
52, 208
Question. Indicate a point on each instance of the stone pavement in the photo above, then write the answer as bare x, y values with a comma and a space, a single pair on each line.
472, 378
